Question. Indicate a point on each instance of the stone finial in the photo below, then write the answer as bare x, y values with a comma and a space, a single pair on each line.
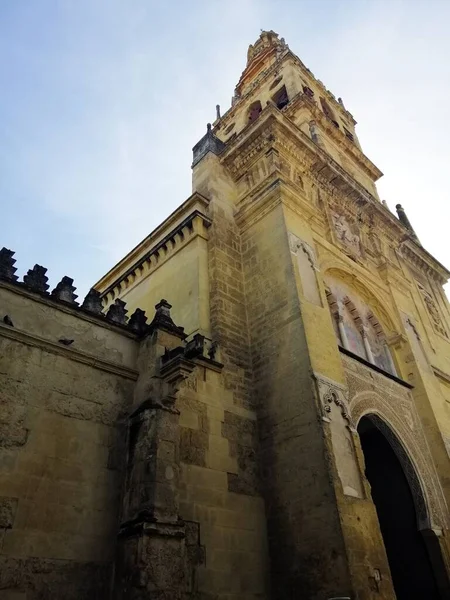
7, 268
404, 220
93, 302
208, 143
36, 279
65, 291
117, 312
138, 321
217, 111
163, 319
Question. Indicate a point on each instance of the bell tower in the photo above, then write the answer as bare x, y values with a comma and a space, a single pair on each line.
309, 447
311, 277
274, 76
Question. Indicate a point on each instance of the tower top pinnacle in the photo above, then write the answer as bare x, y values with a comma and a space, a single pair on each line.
266, 41
268, 47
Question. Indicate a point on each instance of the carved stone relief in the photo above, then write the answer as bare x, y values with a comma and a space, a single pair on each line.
347, 234
415, 341
307, 266
432, 309
391, 408
335, 411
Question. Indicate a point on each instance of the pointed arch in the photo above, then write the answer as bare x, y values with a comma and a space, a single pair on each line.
402, 423
338, 270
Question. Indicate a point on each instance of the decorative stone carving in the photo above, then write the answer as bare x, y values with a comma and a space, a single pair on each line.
433, 310
36, 279
331, 392
391, 408
65, 291
346, 235
93, 302
138, 321
117, 312
306, 262
7, 269
335, 410
163, 319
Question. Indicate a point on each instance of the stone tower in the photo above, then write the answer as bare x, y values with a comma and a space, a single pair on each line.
293, 440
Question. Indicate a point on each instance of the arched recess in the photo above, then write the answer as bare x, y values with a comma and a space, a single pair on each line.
363, 323
385, 314
417, 565
254, 111
401, 426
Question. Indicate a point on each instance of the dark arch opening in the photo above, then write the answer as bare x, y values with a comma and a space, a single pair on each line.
415, 560
254, 111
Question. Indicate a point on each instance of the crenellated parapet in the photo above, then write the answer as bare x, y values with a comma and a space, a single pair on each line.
35, 282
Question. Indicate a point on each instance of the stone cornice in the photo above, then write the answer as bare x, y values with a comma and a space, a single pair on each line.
74, 354
251, 212
272, 131
421, 259
195, 224
441, 375
337, 135
194, 204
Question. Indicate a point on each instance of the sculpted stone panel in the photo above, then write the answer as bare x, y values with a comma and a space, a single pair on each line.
306, 262
433, 310
335, 411
393, 411
346, 234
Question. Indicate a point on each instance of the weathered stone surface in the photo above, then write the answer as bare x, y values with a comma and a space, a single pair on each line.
36, 279
65, 291
93, 302
138, 322
8, 508
117, 313
7, 268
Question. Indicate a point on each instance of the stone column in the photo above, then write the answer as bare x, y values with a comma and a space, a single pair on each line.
154, 559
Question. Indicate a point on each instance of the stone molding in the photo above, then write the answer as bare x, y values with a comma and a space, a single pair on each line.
272, 130
332, 392
77, 311
158, 254
69, 353
371, 393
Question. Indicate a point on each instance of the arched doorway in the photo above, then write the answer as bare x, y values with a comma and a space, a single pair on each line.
417, 570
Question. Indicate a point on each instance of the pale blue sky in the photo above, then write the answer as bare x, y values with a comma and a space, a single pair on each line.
102, 100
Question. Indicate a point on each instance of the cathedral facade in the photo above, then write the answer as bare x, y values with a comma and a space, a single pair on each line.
255, 402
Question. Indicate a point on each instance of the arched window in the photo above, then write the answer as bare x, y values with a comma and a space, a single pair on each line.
353, 328
334, 310
281, 98
378, 344
356, 327
254, 110
328, 112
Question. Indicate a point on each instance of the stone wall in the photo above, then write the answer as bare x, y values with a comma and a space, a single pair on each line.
128, 461
304, 531
66, 385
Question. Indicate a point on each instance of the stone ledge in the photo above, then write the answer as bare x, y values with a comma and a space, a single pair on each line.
69, 353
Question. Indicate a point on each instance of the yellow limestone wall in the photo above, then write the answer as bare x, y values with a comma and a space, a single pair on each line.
183, 277
62, 447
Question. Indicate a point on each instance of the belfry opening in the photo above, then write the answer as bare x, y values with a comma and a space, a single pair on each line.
413, 552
